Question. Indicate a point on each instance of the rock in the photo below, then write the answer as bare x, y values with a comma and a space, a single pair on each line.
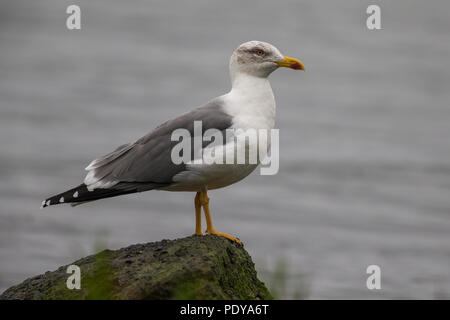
195, 267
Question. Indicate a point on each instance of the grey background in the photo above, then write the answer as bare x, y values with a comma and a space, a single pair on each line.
364, 170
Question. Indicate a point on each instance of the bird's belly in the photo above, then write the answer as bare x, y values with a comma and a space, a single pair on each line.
224, 175
212, 176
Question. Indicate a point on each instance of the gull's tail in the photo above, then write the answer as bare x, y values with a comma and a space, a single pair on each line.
81, 194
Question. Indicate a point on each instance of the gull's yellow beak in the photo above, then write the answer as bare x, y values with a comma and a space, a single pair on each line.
291, 63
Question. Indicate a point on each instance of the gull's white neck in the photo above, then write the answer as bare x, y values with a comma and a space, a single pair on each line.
251, 102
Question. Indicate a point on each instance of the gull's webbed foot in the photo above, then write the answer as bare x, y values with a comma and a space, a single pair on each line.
226, 235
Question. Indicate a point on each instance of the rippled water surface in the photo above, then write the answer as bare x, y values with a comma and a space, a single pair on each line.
365, 153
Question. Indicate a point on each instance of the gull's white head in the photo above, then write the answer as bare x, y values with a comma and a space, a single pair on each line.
260, 59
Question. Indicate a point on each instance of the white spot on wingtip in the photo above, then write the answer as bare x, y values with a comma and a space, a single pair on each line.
47, 203
75, 195
42, 204
61, 199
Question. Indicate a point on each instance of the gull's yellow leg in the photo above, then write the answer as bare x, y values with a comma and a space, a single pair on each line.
204, 200
198, 215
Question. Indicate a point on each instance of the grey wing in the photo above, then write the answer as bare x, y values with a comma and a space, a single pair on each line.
148, 160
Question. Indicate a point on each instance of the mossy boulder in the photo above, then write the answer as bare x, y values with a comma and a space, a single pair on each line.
196, 267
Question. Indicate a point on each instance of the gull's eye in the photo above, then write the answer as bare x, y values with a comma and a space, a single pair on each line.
259, 52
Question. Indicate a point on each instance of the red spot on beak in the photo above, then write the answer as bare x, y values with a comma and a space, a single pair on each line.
297, 66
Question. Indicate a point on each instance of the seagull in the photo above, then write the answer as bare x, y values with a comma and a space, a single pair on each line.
147, 163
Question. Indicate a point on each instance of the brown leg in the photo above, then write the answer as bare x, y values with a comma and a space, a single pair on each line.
198, 215
204, 201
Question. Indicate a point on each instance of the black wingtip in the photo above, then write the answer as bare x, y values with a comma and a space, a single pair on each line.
48, 202
81, 194
68, 196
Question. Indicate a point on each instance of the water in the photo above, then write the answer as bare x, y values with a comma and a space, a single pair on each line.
364, 170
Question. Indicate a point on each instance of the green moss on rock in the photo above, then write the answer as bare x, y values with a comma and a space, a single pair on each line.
196, 267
